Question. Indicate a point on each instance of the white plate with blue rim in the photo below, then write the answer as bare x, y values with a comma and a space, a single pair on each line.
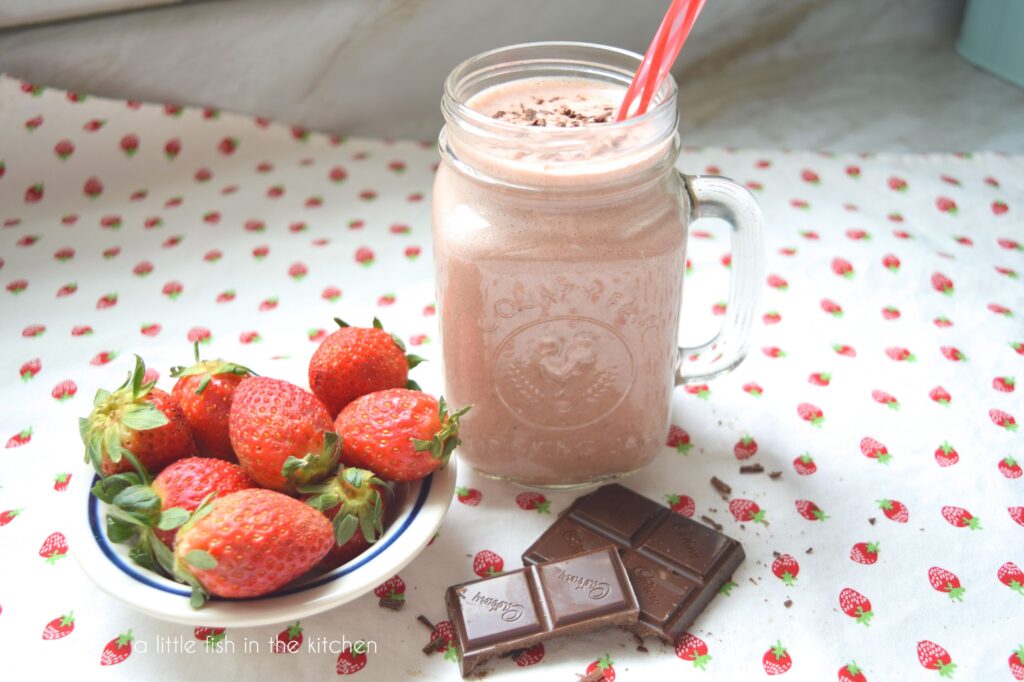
415, 515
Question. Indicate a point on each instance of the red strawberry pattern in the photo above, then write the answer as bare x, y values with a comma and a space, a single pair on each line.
776, 660
117, 650
252, 230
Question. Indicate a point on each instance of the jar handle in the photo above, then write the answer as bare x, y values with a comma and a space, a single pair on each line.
718, 197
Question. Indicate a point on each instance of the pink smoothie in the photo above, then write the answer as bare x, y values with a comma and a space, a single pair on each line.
559, 281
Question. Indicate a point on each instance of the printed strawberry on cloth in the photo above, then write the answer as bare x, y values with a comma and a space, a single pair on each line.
880, 393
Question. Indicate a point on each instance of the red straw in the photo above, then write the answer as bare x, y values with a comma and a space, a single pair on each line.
661, 55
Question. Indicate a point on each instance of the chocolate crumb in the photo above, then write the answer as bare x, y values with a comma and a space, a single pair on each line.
538, 100
393, 604
720, 485
639, 643
871, 520
601, 119
711, 522
788, 603
531, 114
774, 475
432, 645
499, 113
426, 621
810, 550
751, 469
776, 554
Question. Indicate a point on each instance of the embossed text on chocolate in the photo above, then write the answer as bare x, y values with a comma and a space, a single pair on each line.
510, 611
596, 589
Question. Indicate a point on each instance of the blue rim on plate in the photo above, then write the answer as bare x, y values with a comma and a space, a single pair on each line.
377, 548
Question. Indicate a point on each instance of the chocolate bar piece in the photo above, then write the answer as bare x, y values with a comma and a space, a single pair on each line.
676, 564
518, 609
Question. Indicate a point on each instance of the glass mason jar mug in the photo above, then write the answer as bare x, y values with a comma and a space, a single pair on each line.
559, 255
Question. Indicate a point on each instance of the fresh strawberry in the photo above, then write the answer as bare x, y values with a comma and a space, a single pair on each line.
953, 354
204, 391
746, 510
1009, 468
934, 657
210, 636
691, 648
940, 395
401, 434
60, 627
946, 455
60, 481
135, 421
804, 465
786, 568
283, 436
900, 354
1003, 419
487, 563
831, 307
819, 379
533, 502
745, 448
810, 414
352, 659
54, 547
354, 361
681, 504
185, 484
1017, 663
289, 640
1004, 384
947, 582
530, 656
249, 543
393, 588
851, 672
355, 501
117, 650
961, 518
776, 660
856, 605
469, 496
886, 399
605, 665
872, 449
8, 516
1012, 577
810, 511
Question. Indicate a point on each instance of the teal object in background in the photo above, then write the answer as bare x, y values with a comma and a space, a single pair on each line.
992, 37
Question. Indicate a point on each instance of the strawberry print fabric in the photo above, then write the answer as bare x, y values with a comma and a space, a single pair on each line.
884, 536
